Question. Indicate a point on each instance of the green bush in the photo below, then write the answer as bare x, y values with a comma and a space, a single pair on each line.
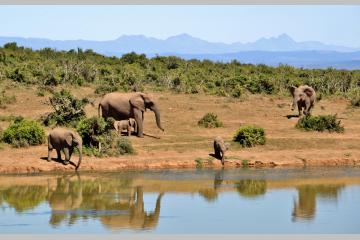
68, 110
320, 123
22, 133
210, 120
249, 136
100, 139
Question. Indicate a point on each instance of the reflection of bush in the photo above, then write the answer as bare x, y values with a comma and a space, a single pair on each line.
305, 207
251, 188
209, 194
24, 198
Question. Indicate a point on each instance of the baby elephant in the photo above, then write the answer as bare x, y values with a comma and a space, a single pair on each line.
64, 140
125, 125
220, 148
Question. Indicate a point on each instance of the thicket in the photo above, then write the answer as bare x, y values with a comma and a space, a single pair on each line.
249, 136
48, 67
24, 133
320, 123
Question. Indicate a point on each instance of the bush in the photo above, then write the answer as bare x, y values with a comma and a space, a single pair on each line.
354, 97
320, 123
22, 133
68, 110
100, 139
210, 120
249, 136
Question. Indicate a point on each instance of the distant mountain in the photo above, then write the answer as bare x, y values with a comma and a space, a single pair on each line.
180, 44
271, 51
304, 59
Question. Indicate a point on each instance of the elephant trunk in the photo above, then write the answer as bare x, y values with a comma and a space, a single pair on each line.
80, 158
157, 117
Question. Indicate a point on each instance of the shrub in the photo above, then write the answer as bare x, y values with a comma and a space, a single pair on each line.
68, 110
320, 123
22, 133
210, 120
249, 136
99, 139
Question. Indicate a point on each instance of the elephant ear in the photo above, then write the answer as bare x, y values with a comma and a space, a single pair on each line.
137, 101
308, 91
69, 139
292, 90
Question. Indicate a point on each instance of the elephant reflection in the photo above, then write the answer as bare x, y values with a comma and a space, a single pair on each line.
71, 200
65, 199
136, 217
305, 206
211, 194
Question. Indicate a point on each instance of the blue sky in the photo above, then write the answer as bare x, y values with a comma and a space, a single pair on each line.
329, 24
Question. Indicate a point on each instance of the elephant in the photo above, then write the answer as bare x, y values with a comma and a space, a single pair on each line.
125, 125
122, 106
65, 140
220, 147
303, 99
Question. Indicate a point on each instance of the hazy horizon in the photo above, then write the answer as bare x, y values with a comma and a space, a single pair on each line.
334, 25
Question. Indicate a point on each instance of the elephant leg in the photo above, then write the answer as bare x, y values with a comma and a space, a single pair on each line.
67, 156
300, 110
129, 130
222, 159
49, 154
58, 154
139, 121
216, 150
307, 107
71, 150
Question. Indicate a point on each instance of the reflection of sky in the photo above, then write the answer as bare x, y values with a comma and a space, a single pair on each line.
230, 213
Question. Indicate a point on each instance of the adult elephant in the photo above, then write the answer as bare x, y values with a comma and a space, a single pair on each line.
122, 106
303, 99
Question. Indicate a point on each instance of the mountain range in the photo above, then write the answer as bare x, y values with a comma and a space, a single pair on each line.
272, 51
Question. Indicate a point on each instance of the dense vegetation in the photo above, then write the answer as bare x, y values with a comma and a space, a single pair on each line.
249, 136
320, 123
23, 133
48, 67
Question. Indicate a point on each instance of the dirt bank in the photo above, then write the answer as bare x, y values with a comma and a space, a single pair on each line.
185, 145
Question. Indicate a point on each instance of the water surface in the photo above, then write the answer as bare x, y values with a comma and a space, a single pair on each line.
238, 201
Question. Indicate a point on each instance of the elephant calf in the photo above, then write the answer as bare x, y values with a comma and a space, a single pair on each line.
220, 148
125, 125
64, 140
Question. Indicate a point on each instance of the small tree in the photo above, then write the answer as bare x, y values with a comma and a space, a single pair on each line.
68, 110
210, 120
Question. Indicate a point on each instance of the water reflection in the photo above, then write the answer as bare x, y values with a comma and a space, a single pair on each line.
305, 206
117, 201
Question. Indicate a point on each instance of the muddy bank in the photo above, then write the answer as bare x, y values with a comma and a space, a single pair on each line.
33, 160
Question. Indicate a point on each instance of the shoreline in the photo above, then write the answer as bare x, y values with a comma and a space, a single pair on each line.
32, 160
